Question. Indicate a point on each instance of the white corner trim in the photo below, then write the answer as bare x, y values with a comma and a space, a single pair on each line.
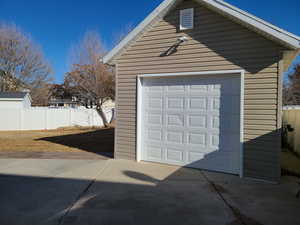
242, 116
277, 33
139, 120
165, 75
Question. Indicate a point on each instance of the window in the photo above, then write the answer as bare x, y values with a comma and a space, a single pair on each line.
186, 19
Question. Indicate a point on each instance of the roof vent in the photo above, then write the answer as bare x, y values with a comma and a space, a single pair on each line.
187, 19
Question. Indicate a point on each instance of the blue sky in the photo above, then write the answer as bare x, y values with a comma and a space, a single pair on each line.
57, 24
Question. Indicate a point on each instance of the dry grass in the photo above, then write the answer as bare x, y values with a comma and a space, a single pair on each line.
61, 140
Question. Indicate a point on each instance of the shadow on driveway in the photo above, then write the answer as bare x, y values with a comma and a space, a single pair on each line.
149, 194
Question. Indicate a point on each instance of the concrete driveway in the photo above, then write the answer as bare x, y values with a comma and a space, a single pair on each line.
38, 191
61, 192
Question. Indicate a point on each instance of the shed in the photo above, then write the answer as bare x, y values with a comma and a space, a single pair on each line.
15, 100
199, 84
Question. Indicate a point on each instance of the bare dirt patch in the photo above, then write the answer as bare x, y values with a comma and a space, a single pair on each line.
92, 140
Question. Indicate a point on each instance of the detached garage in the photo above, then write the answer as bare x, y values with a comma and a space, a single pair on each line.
199, 84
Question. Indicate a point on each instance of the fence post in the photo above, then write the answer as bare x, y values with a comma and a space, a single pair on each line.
21, 119
70, 117
93, 123
46, 118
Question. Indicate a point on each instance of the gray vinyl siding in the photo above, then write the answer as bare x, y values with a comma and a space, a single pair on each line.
216, 44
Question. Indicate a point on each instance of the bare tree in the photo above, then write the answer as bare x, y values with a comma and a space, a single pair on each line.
92, 79
41, 95
291, 88
22, 64
59, 91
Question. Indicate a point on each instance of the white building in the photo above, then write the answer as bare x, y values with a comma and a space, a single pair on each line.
15, 100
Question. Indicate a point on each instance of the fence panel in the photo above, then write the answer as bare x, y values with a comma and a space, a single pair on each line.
10, 119
46, 118
291, 117
58, 118
34, 119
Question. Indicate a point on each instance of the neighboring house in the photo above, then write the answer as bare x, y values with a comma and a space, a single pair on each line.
66, 103
15, 100
109, 104
199, 84
77, 102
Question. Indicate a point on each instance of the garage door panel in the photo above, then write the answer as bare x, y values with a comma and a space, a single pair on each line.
174, 155
198, 88
214, 122
154, 118
192, 121
174, 137
155, 102
154, 152
176, 87
202, 150
174, 103
154, 94
198, 103
197, 140
153, 88
175, 119
154, 134
197, 121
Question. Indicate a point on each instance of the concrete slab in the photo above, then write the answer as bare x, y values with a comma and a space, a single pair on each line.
48, 167
41, 191
124, 192
9, 163
258, 202
131, 193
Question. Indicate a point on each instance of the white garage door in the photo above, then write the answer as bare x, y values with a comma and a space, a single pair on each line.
192, 121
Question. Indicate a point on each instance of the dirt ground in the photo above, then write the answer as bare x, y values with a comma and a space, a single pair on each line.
61, 140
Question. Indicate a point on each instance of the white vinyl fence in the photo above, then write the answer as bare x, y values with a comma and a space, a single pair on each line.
47, 118
291, 117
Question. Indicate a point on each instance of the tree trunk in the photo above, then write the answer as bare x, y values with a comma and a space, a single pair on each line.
102, 115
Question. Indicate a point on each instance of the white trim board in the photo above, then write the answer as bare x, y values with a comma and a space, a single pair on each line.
248, 20
165, 75
12, 99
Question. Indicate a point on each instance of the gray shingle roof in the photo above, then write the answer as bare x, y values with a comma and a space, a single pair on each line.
13, 94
